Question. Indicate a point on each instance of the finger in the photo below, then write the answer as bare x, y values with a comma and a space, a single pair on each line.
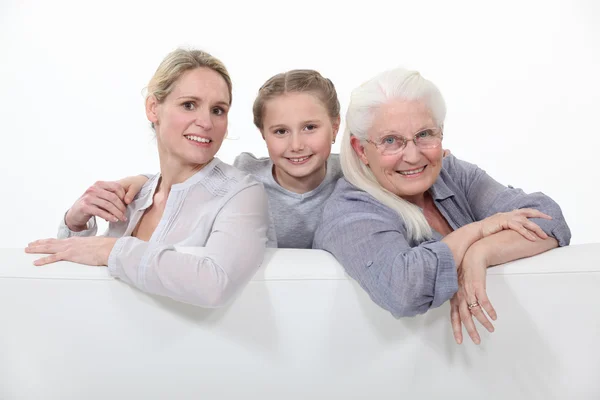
486, 304
533, 213
130, 194
456, 325
98, 212
113, 187
42, 249
473, 297
478, 313
467, 320
41, 241
111, 198
517, 227
48, 260
104, 209
535, 228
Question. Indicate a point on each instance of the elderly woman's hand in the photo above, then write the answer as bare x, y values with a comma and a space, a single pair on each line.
516, 220
471, 299
93, 250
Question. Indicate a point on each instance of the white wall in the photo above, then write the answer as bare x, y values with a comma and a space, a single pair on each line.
520, 80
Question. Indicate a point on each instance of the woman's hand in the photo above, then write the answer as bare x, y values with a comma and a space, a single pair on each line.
516, 220
83, 250
102, 199
471, 299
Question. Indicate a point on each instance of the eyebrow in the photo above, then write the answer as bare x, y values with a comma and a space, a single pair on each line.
394, 133
308, 121
198, 99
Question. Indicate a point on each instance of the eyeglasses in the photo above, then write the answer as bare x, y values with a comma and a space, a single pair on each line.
393, 144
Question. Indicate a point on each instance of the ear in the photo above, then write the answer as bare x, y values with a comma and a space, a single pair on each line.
336, 127
359, 149
152, 109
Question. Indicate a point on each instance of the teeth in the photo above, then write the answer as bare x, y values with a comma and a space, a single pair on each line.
415, 171
299, 159
198, 139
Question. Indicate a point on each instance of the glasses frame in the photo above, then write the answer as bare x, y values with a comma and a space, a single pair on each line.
439, 132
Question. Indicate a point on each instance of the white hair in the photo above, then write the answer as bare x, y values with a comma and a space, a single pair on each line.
390, 85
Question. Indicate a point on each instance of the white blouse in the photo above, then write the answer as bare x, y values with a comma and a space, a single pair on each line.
219, 208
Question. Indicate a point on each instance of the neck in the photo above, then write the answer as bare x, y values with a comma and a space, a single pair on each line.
419, 200
299, 185
173, 171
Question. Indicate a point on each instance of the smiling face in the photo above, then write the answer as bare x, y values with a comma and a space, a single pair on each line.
191, 122
299, 132
412, 171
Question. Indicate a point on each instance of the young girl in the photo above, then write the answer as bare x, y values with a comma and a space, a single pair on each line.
196, 200
298, 116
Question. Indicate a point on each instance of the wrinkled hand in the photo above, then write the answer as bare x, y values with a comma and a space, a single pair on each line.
516, 220
471, 291
102, 199
83, 250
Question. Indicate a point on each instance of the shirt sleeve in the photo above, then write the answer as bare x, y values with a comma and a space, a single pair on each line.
404, 280
233, 253
487, 197
64, 232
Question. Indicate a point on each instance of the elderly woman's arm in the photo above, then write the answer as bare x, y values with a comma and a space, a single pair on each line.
487, 197
365, 238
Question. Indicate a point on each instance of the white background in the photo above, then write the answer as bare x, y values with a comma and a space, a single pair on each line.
520, 79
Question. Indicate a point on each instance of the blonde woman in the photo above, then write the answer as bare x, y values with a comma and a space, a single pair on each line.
195, 200
414, 228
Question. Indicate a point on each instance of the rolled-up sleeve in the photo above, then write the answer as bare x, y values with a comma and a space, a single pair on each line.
231, 256
487, 197
64, 232
404, 280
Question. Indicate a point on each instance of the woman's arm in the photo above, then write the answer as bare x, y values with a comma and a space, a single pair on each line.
368, 240
506, 246
487, 197
232, 254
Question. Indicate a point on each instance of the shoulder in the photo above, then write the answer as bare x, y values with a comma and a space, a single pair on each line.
456, 167
334, 167
249, 163
225, 180
347, 198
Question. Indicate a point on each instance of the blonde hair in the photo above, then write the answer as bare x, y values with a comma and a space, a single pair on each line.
175, 64
296, 81
390, 85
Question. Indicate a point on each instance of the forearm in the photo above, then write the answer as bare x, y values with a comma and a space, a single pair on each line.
462, 239
508, 245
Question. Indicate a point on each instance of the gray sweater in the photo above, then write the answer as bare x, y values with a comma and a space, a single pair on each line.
369, 239
294, 216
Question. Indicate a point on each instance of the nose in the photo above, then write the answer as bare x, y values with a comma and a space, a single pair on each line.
297, 142
204, 119
411, 153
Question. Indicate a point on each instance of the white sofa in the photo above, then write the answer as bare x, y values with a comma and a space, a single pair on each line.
300, 330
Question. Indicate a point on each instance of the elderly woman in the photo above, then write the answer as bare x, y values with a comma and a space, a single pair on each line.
415, 228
